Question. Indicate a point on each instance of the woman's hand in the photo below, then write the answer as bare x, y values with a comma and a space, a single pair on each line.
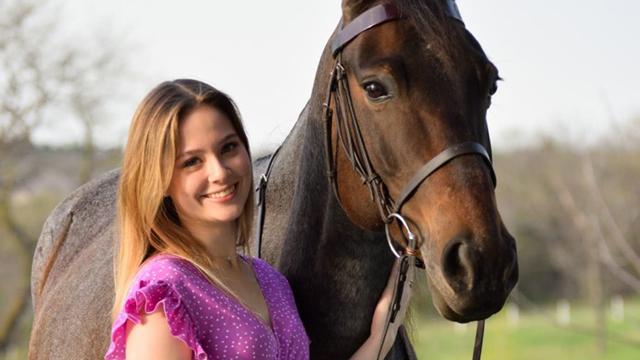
371, 348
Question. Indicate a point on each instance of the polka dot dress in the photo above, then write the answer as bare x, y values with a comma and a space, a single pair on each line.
213, 324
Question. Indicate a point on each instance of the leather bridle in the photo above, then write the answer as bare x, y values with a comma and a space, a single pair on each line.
348, 130
351, 140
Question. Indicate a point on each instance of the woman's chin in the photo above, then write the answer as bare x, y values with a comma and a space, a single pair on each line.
222, 212
224, 218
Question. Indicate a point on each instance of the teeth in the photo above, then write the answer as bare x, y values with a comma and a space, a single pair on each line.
221, 194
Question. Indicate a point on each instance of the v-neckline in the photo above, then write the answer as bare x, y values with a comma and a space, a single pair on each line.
234, 299
269, 324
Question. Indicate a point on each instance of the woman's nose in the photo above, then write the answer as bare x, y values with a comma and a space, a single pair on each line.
217, 170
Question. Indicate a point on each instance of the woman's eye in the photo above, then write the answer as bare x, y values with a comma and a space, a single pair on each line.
191, 162
375, 91
229, 147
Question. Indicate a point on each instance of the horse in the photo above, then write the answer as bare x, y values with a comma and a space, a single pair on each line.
412, 89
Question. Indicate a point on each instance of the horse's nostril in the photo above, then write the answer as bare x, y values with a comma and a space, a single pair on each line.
458, 265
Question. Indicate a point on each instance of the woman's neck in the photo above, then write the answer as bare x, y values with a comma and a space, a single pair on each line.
219, 239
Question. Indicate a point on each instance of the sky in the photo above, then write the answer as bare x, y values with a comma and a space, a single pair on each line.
570, 67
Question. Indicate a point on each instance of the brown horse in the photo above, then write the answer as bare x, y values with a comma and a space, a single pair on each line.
418, 85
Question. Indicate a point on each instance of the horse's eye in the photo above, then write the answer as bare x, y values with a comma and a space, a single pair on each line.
375, 91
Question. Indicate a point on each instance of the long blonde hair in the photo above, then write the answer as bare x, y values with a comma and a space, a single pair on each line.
147, 222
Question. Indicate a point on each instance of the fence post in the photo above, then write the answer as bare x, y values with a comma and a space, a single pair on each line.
563, 312
617, 308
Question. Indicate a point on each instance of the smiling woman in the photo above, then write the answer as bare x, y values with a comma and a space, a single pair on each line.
212, 176
154, 204
185, 208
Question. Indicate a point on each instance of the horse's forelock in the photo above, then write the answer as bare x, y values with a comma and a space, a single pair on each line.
433, 22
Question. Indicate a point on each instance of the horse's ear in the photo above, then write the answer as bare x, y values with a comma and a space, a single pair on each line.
353, 8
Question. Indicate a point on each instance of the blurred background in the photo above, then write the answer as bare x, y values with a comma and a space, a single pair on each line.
565, 127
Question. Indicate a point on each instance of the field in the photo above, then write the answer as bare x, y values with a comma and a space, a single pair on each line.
535, 336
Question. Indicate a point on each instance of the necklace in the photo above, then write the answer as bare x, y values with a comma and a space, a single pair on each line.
224, 261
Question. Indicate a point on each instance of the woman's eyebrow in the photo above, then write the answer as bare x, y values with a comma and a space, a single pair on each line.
197, 151
189, 152
228, 137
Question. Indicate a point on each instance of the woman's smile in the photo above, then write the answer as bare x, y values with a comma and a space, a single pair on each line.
223, 195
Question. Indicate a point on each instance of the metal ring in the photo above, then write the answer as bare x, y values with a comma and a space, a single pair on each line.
393, 249
411, 236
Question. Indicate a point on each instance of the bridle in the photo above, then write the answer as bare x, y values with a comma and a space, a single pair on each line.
348, 130
350, 138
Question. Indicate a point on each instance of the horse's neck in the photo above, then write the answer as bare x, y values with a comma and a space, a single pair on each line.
298, 177
336, 269
281, 191
297, 191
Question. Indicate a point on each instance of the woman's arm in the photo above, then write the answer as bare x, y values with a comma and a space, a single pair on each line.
152, 339
369, 350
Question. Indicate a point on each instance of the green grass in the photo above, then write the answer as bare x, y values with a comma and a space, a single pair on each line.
536, 336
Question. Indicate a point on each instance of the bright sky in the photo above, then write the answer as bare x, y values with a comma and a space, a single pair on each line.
568, 65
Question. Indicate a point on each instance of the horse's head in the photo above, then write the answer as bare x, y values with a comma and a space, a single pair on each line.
419, 83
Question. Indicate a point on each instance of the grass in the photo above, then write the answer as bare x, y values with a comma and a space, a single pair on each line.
536, 336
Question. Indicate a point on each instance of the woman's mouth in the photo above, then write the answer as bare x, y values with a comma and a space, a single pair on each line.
223, 195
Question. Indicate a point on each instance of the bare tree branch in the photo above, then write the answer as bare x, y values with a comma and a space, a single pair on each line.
612, 265
616, 234
41, 73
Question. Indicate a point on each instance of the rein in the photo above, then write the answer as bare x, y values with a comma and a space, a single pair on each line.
351, 140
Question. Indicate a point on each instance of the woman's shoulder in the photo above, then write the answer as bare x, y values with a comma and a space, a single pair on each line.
267, 273
165, 268
162, 282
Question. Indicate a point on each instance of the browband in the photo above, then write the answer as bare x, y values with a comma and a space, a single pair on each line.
375, 16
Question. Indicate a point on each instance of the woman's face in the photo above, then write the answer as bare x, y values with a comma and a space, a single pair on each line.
212, 174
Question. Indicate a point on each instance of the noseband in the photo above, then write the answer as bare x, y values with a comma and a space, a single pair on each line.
350, 138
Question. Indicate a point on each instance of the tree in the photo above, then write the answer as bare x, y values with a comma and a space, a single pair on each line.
572, 210
43, 76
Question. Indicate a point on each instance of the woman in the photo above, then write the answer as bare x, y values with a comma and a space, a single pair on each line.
185, 206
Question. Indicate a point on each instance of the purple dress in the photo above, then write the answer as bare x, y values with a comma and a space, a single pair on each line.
213, 324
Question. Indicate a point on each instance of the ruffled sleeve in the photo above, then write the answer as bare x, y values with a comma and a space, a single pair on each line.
145, 297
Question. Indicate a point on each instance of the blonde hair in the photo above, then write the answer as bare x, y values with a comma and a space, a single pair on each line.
147, 222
